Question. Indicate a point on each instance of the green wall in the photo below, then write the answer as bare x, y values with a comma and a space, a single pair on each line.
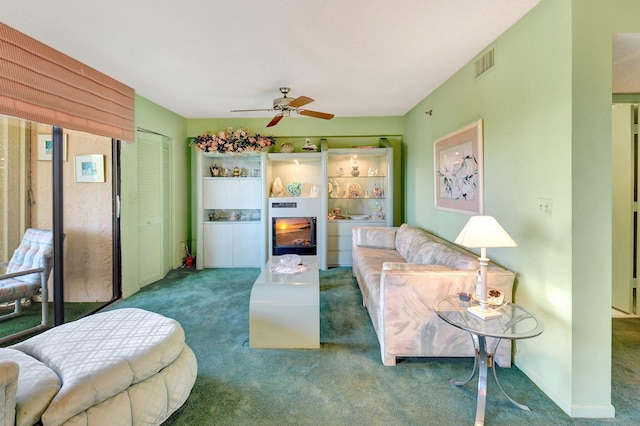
152, 117
546, 106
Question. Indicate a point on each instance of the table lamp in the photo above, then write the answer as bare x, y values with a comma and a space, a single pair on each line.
483, 232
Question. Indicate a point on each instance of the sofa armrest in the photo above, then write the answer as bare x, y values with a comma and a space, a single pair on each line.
8, 389
382, 237
408, 321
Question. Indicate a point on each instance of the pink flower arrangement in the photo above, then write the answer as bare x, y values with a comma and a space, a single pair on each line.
230, 141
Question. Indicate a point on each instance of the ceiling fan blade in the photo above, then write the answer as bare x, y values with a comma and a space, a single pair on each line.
275, 120
316, 114
299, 101
248, 110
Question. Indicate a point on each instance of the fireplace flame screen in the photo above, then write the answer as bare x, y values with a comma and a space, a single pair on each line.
294, 235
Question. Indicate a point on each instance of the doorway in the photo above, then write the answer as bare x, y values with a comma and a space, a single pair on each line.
154, 206
31, 194
625, 206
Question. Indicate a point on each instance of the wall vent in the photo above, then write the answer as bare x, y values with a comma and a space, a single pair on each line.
484, 63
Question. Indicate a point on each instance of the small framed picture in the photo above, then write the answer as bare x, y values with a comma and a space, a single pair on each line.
45, 147
90, 168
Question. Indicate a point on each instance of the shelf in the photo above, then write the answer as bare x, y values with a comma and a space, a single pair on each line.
357, 177
233, 221
382, 221
232, 177
301, 157
359, 151
357, 198
293, 198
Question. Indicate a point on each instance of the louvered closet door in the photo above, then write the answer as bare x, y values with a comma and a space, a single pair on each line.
153, 211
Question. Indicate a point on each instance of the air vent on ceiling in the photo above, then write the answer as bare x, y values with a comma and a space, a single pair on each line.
484, 63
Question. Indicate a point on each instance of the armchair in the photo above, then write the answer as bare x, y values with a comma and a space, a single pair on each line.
27, 271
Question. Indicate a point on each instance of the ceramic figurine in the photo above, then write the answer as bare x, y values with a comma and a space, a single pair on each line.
215, 170
277, 188
236, 171
377, 191
334, 189
354, 170
309, 146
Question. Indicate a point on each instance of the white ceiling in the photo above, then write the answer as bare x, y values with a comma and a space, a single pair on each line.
204, 58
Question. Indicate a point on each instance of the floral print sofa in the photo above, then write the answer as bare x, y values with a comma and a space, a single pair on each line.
402, 272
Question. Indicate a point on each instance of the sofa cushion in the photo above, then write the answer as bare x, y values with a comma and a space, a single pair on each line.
100, 355
383, 238
37, 385
371, 259
423, 250
455, 259
404, 239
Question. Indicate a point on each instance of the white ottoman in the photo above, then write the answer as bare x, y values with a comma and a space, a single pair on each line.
126, 366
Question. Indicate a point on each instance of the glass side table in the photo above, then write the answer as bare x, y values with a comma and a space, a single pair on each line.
514, 323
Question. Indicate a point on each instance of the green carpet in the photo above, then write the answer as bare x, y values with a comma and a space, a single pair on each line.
343, 382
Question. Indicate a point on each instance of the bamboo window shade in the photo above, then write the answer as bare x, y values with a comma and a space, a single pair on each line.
41, 84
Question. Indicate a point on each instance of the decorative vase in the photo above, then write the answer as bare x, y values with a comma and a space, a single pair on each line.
295, 188
286, 148
354, 171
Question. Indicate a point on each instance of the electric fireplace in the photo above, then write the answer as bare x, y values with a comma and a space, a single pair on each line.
293, 235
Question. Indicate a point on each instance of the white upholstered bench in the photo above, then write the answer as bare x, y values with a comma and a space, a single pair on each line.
121, 367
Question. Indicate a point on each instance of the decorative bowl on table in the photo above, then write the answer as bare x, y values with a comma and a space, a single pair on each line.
290, 261
295, 188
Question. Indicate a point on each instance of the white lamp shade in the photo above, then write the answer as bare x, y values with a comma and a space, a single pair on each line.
483, 232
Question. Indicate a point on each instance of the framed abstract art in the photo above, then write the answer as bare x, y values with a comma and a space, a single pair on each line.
458, 170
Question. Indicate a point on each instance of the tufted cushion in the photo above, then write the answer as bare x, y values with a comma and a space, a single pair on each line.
37, 385
103, 354
33, 251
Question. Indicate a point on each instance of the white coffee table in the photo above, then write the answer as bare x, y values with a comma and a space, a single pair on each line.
284, 309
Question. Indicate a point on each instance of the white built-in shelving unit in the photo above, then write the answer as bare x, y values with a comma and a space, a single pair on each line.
234, 213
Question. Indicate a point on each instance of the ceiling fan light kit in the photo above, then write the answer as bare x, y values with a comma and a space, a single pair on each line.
286, 106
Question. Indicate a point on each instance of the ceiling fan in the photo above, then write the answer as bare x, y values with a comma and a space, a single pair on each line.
286, 106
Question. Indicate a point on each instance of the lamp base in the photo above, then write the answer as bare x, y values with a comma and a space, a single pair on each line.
479, 312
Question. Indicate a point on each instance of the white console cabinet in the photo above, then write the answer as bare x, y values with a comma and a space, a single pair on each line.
230, 211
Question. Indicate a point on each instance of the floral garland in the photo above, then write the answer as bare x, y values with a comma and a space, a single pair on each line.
230, 141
